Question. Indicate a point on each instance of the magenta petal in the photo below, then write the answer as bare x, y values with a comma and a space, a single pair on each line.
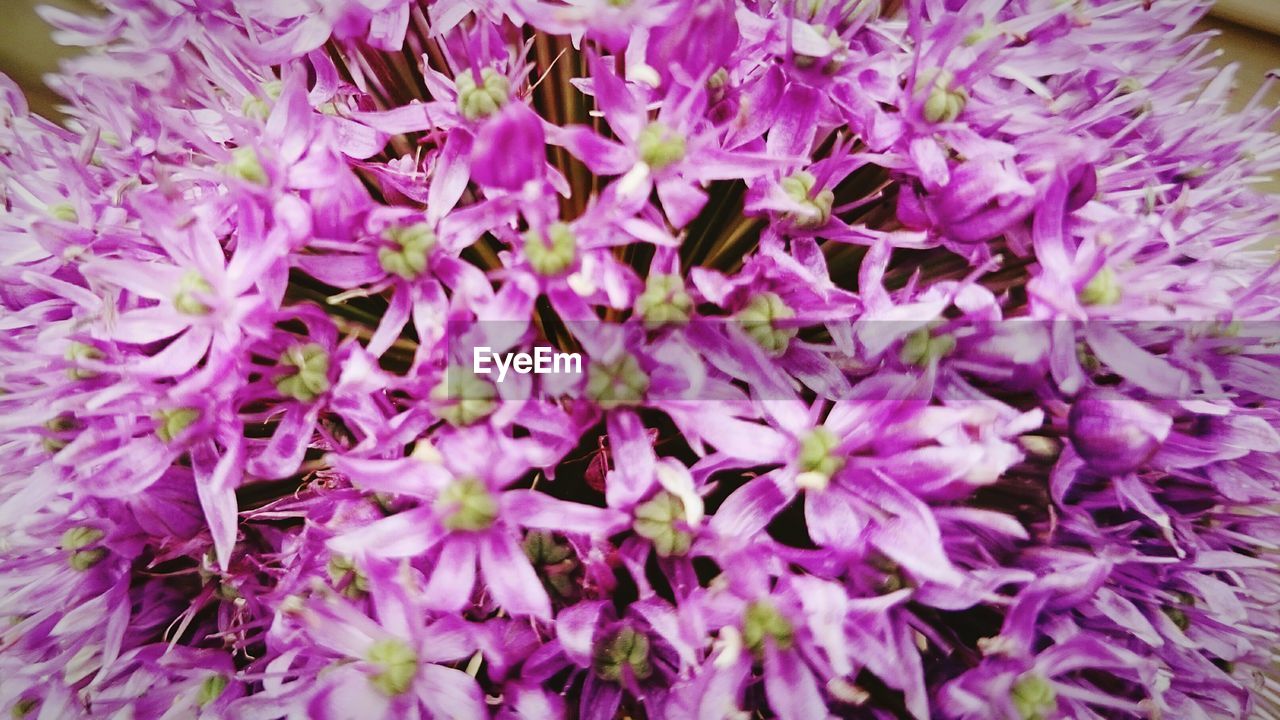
510, 578
404, 534
284, 452
793, 691
633, 459
449, 175
576, 627
450, 693
750, 508
681, 200
601, 156
453, 576
533, 509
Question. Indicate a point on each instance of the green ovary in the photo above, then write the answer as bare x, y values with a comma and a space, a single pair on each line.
553, 254
624, 649
664, 301
762, 622
1034, 698
483, 100
660, 146
617, 383
409, 249
816, 207
170, 423
397, 665
467, 505
308, 378
462, 398
760, 317
660, 520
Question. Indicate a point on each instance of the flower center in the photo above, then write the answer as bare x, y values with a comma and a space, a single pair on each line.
407, 255
944, 102
616, 383
664, 301
344, 574
172, 422
397, 665
190, 288
661, 521
660, 146
211, 688
78, 542
77, 352
309, 377
462, 397
1034, 698
624, 650
815, 208
762, 622
467, 504
246, 166
258, 107
817, 462
553, 254
483, 100
922, 348
758, 320
64, 211
1102, 289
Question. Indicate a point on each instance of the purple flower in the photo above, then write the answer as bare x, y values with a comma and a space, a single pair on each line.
928, 363
1114, 433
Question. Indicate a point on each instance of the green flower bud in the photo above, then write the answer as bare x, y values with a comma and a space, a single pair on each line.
62, 425
78, 543
664, 301
467, 504
1034, 698
64, 211
211, 688
660, 146
816, 458
397, 666
246, 166
257, 107
625, 648
308, 378
661, 520
186, 300
82, 560
554, 254
80, 537
475, 102
542, 549
463, 398
718, 79
923, 348
1102, 289
944, 102
76, 352
758, 319
342, 571
408, 257
762, 622
172, 422
816, 210
24, 707
617, 383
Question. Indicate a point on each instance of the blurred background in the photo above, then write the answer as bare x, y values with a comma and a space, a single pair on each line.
1249, 34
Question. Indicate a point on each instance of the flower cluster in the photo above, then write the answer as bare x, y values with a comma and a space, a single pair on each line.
930, 364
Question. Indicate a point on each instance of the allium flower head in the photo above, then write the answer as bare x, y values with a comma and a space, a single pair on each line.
904, 359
